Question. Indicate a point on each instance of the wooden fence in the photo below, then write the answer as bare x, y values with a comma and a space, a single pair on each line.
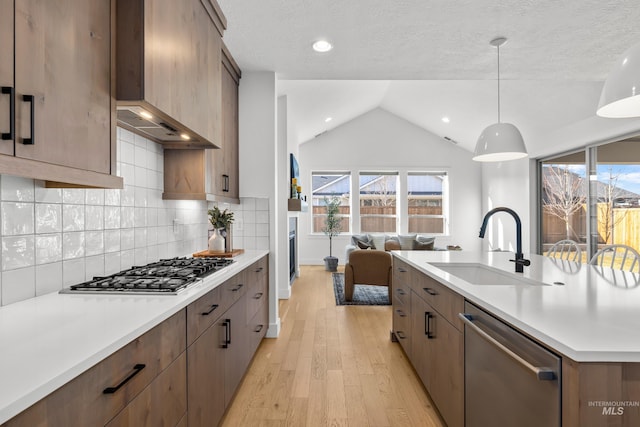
384, 224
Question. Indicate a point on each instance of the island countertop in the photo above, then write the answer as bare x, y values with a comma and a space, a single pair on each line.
593, 315
49, 340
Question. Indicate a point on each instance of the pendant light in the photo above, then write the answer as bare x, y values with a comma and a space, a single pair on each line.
620, 95
499, 141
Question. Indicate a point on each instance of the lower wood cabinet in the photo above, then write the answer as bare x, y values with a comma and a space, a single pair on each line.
154, 379
146, 376
425, 323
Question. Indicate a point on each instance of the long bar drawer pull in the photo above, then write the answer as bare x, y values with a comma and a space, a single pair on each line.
258, 295
136, 370
259, 328
8, 90
227, 333
213, 307
430, 291
427, 324
32, 100
542, 373
402, 270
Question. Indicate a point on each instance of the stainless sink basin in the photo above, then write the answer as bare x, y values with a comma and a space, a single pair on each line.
480, 274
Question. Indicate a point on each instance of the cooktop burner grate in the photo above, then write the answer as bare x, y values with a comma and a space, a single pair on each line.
165, 277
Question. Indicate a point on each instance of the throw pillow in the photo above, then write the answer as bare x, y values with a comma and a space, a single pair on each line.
360, 238
378, 241
424, 243
406, 241
364, 245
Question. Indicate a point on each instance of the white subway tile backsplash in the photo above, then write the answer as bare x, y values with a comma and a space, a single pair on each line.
73, 245
18, 252
94, 218
48, 248
17, 189
73, 217
48, 278
17, 218
59, 237
94, 243
94, 267
48, 217
47, 195
73, 271
74, 196
18, 285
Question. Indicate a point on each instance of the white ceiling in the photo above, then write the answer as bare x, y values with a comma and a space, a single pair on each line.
425, 59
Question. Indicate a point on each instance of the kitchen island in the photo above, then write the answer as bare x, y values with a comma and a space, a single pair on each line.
587, 315
50, 340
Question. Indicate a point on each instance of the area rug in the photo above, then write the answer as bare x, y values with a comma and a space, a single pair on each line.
362, 294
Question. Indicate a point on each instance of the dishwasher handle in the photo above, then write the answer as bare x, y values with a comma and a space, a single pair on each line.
543, 374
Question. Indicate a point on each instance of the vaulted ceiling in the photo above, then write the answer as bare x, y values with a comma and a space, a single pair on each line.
426, 59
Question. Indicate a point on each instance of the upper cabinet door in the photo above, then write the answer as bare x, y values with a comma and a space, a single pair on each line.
168, 62
64, 104
6, 76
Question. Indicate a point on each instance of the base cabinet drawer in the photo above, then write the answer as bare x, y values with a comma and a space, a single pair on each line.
402, 324
162, 403
99, 394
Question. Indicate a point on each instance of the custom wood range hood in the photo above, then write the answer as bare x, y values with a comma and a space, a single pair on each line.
168, 56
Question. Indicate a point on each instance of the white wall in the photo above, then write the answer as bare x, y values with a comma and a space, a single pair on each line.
260, 160
509, 184
379, 140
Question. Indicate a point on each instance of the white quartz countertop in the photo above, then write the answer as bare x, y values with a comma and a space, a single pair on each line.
49, 340
593, 317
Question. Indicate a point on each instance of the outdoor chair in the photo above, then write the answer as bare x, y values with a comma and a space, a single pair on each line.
565, 249
621, 257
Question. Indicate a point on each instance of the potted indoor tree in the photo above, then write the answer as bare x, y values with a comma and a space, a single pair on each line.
332, 226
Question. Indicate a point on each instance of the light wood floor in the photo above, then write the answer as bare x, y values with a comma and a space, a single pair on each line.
330, 366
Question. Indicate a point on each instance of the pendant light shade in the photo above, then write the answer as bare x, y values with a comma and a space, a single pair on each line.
620, 95
500, 141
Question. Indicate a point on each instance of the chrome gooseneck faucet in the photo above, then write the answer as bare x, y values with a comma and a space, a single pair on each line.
520, 261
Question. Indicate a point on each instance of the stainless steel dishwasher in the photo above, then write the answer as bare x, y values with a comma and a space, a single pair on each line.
510, 380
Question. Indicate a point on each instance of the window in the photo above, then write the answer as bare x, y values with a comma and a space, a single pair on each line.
378, 202
326, 185
426, 202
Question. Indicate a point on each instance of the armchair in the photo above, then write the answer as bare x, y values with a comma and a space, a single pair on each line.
367, 267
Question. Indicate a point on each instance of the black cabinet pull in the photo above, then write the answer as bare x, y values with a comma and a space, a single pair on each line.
402, 270
225, 183
401, 313
31, 100
259, 328
237, 288
227, 333
427, 324
400, 335
136, 370
213, 307
430, 291
258, 295
259, 269
8, 90
401, 292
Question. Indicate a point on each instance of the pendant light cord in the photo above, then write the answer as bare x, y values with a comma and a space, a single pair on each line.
498, 47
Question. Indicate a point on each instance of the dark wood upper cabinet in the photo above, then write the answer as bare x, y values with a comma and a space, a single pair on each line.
62, 92
168, 60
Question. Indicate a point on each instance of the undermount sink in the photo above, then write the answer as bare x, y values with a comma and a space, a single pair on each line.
480, 274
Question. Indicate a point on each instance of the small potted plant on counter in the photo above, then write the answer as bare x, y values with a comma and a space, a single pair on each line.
220, 240
332, 226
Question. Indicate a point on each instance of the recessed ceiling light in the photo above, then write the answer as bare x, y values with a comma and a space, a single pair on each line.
446, 119
146, 115
328, 119
185, 136
322, 46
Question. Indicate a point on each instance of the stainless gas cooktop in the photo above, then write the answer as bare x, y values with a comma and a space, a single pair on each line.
165, 277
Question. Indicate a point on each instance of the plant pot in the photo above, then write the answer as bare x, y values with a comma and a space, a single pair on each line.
331, 263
